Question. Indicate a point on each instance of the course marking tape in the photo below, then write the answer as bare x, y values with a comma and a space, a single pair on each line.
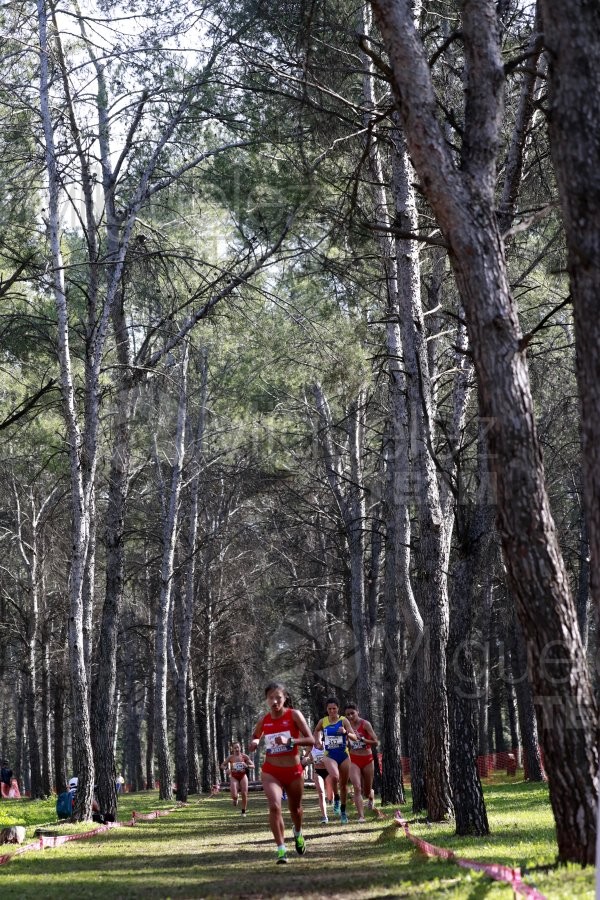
48, 841
493, 870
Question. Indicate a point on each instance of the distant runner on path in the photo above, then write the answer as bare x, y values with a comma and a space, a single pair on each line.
362, 765
332, 733
284, 729
238, 764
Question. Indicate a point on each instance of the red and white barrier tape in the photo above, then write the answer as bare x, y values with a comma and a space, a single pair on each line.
493, 870
45, 841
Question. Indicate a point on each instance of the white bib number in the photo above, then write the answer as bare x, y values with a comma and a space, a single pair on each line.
272, 747
239, 767
334, 741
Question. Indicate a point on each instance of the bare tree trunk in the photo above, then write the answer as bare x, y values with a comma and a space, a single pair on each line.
350, 504
532, 761
192, 732
392, 785
19, 731
79, 465
188, 598
150, 781
467, 793
484, 676
474, 552
573, 48
164, 607
463, 202
47, 776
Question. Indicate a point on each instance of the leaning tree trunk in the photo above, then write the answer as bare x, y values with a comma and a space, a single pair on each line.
463, 202
435, 521
572, 42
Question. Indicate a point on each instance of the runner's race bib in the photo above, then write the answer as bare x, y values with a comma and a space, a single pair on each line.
239, 767
272, 747
357, 745
334, 741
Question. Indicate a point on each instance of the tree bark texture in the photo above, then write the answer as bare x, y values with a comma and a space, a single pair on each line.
572, 45
463, 202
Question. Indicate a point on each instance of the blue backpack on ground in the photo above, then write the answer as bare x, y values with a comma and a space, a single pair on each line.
64, 805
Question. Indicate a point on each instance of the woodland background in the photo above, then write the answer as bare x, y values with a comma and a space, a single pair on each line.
294, 301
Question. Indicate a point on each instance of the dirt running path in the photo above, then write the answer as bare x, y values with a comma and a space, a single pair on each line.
207, 850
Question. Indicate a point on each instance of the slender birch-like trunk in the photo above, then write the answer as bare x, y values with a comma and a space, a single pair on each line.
163, 617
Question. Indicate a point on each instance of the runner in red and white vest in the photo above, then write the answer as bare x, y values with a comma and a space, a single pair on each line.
284, 730
362, 766
239, 765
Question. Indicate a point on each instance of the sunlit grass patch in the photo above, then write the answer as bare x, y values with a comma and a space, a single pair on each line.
207, 850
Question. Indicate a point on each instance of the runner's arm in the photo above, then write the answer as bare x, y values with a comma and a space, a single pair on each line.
348, 729
256, 736
318, 731
372, 737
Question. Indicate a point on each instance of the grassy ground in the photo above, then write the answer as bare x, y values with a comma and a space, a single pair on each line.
207, 850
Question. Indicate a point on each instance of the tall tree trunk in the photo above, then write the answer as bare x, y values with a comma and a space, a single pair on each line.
392, 785
163, 617
47, 776
573, 47
532, 761
19, 732
469, 805
474, 551
192, 732
150, 781
81, 466
355, 530
103, 713
463, 203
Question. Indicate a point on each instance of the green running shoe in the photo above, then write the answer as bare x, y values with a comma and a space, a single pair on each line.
343, 819
281, 856
336, 807
300, 843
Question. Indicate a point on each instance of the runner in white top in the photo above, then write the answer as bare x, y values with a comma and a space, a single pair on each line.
321, 776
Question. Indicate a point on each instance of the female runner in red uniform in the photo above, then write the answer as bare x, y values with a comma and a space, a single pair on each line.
238, 764
361, 754
284, 729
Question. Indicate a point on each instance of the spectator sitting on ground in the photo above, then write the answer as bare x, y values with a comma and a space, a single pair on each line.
73, 782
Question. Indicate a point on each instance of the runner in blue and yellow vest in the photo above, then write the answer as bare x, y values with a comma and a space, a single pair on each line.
331, 734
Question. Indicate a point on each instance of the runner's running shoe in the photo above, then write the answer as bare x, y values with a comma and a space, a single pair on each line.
300, 843
336, 807
343, 819
281, 856
362, 820
325, 820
